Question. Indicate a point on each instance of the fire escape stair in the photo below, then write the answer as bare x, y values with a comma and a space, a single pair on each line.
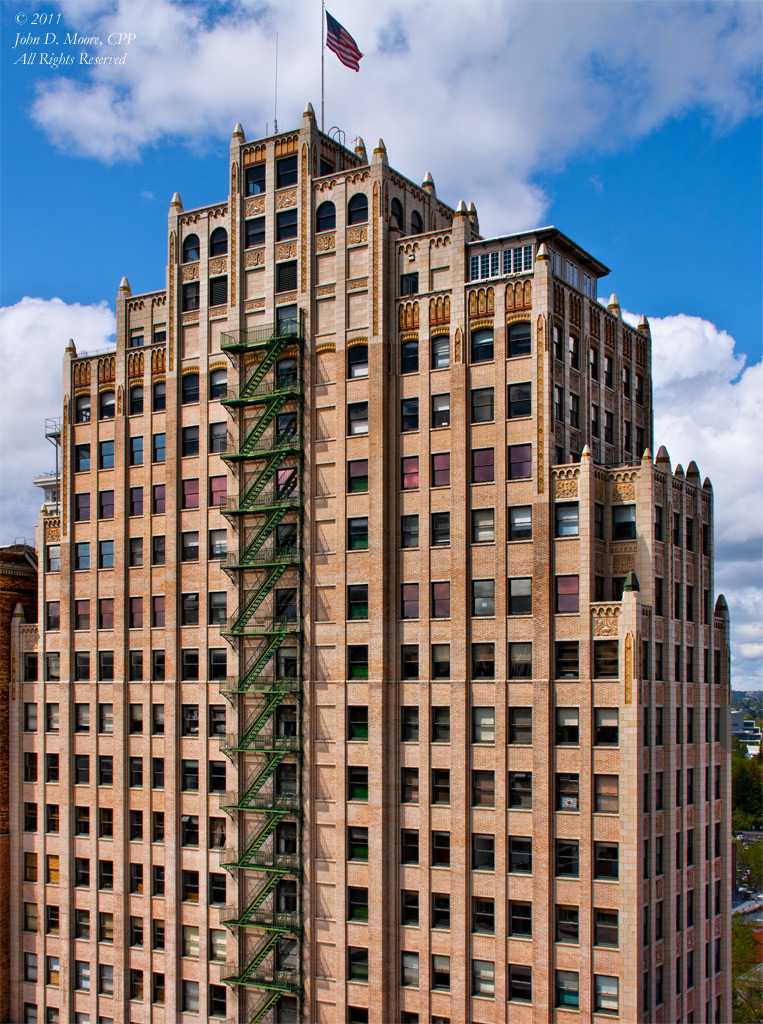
239, 621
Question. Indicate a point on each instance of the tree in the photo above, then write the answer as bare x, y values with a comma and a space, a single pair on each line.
747, 992
750, 865
747, 792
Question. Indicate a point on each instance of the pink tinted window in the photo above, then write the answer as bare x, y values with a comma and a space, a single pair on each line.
106, 613
158, 611
441, 469
218, 490
190, 494
410, 472
159, 498
520, 461
410, 596
441, 600
136, 612
483, 465
567, 594
286, 480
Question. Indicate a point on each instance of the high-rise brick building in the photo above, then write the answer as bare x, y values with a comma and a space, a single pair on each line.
381, 674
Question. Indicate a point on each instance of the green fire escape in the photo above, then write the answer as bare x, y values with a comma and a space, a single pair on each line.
265, 560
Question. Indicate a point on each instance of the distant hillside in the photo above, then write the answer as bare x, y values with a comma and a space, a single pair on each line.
749, 701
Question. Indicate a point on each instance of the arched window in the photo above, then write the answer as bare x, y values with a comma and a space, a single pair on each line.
325, 218
396, 214
136, 400
482, 345
190, 248
218, 242
106, 405
82, 414
218, 384
357, 209
417, 224
190, 389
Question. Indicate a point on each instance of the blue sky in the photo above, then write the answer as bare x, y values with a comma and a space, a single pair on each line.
634, 127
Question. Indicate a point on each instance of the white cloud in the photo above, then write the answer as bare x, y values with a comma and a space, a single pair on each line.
34, 335
606, 75
708, 407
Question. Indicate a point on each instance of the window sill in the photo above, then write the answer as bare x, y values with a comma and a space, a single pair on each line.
444, 426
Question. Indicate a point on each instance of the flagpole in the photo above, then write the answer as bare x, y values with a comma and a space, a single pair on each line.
323, 49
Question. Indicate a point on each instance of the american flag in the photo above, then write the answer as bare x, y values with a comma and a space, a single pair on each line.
341, 42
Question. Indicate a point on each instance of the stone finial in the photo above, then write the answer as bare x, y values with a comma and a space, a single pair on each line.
18, 611
663, 459
473, 216
721, 608
706, 485
631, 582
614, 303
647, 456
177, 202
643, 324
360, 149
124, 286
542, 254
308, 111
71, 348
380, 153
238, 131
692, 471
461, 210
428, 183
586, 453
679, 471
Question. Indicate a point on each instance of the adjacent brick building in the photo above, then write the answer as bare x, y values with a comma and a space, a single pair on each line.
381, 673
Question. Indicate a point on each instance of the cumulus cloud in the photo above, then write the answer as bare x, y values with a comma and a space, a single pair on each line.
606, 75
34, 335
708, 406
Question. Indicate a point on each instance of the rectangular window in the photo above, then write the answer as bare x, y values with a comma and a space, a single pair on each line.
409, 531
409, 472
606, 659
286, 225
483, 405
286, 276
520, 661
441, 470
357, 472
567, 519
157, 508
606, 857
567, 924
254, 229
483, 661
567, 858
567, 599
520, 461
483, 526
440, 536
483, 465
520, 725
190, 494
409, 601
483, 597
440, 348
520, 596
441, 661
606, 794
520, 790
